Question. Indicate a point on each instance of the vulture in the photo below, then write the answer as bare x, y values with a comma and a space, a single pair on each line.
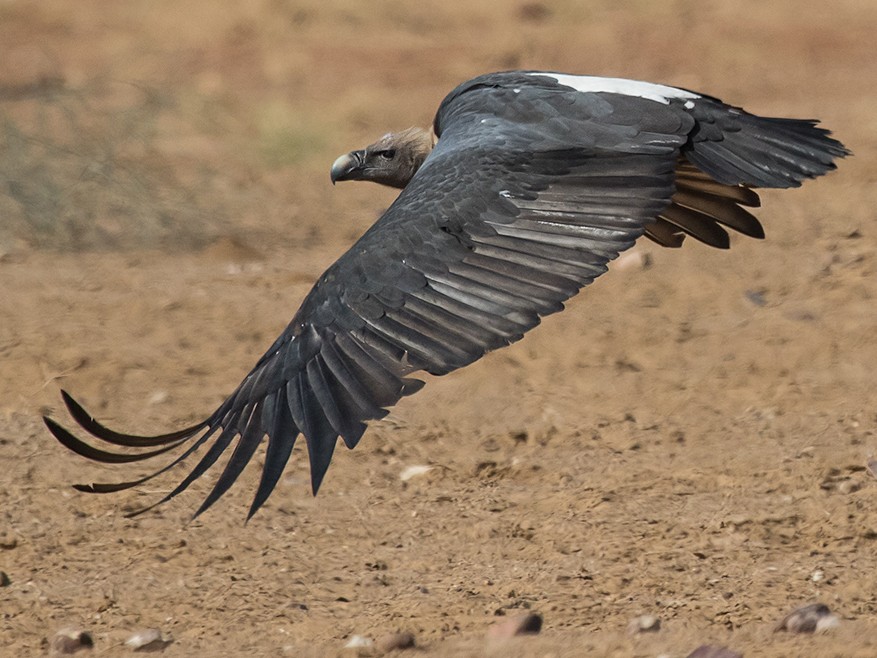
524, 189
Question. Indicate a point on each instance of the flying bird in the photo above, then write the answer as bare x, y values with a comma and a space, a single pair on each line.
525, 188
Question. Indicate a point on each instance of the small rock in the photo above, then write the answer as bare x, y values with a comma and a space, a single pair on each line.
813, 618
359, 642
633, 260
7, 541
413, 471
848, 486
4, 579
825, 624
71, 640
757, 297
709, 651
872, 467
526, 624
644, 624
157, 397
151, 639
395, 642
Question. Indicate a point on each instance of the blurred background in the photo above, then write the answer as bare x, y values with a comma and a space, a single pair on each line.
166, 124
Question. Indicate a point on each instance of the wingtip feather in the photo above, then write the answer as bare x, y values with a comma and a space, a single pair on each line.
88, 423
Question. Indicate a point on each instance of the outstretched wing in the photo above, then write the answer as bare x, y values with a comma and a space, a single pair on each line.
530, 191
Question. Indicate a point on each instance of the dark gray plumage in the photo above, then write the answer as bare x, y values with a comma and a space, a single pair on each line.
536, 181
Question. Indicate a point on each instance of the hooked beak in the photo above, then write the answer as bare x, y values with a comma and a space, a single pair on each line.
348, 167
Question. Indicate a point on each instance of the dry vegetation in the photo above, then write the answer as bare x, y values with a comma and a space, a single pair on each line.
687, 441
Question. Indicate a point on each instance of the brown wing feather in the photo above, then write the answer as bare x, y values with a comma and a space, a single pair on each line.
701, 206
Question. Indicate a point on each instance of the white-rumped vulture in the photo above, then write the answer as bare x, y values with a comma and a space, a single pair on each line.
527, 186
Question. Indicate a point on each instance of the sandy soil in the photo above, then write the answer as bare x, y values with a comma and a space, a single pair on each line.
687, 440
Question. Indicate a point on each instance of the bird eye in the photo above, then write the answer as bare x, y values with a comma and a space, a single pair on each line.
389, 154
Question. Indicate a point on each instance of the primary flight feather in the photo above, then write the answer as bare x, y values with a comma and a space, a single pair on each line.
528, 184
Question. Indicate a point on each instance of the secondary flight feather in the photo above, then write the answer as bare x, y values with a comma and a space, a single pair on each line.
525, 188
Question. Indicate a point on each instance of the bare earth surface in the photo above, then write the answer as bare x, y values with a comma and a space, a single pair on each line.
689, 439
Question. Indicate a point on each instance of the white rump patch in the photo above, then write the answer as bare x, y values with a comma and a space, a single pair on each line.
648, 90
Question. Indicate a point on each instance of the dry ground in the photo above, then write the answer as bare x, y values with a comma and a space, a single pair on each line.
687, 440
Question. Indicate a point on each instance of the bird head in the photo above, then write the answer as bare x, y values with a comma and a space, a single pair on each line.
392, 160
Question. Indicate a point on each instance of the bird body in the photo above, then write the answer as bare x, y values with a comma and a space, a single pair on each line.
526, 186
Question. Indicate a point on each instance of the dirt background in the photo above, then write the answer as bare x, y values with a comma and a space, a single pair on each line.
687, 440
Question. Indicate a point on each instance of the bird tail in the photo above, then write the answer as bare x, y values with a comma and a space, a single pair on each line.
738, 148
